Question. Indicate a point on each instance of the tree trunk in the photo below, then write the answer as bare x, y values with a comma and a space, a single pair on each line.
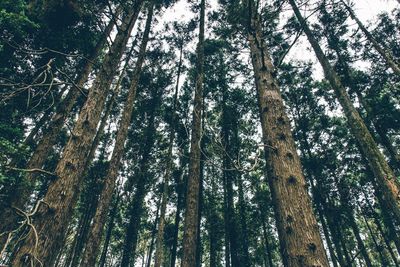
179, 204
110, 227
136, 205
164, 198
382, 233
21, 193
192, 199
92, 248
153, 236
199, 247
267, 246
386, 54
135, 213
245, 258
228, 125
392, 151
388, 222
385, 177
301, 243
54, 213
348, 211
379, 248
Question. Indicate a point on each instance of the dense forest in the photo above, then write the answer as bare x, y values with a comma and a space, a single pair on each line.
220, 133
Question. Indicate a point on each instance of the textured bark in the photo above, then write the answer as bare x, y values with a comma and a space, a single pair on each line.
301, 243
190, 235
164, 198
385, 177
54, 215
93, 245
316, 190
21, 193
386, 54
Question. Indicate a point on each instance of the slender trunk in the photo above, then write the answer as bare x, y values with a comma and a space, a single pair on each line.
92, 248
199, 247
301, 243
245, 258
336, 237
136, 205
348, 211
190, 235
153, 236
360, 242
110, 227
161, 225
226, 223
228, 125
179, 204
385, 177
131, 236
382, 233
53, 215
386, 54
388, 222
212, 218
379, 248
317, 200
266, 242
392, 151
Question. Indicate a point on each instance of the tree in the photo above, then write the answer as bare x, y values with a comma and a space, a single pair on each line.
192, 197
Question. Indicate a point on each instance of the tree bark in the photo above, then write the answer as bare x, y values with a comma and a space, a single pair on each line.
301, 243
21, 193
93, 245
384, 174
192, 198
52, 218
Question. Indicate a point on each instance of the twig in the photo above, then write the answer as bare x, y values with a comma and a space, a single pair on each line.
32, 170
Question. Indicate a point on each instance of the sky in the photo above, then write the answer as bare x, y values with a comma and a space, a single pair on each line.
366, 10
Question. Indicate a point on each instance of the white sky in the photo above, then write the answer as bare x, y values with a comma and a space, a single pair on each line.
366, 10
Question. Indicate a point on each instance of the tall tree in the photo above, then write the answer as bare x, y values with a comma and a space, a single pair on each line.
385, 53
301, 243
193, 189
384, 174
56, 209
93, 245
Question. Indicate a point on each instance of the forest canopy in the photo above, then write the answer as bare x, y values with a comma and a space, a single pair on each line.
214, 133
